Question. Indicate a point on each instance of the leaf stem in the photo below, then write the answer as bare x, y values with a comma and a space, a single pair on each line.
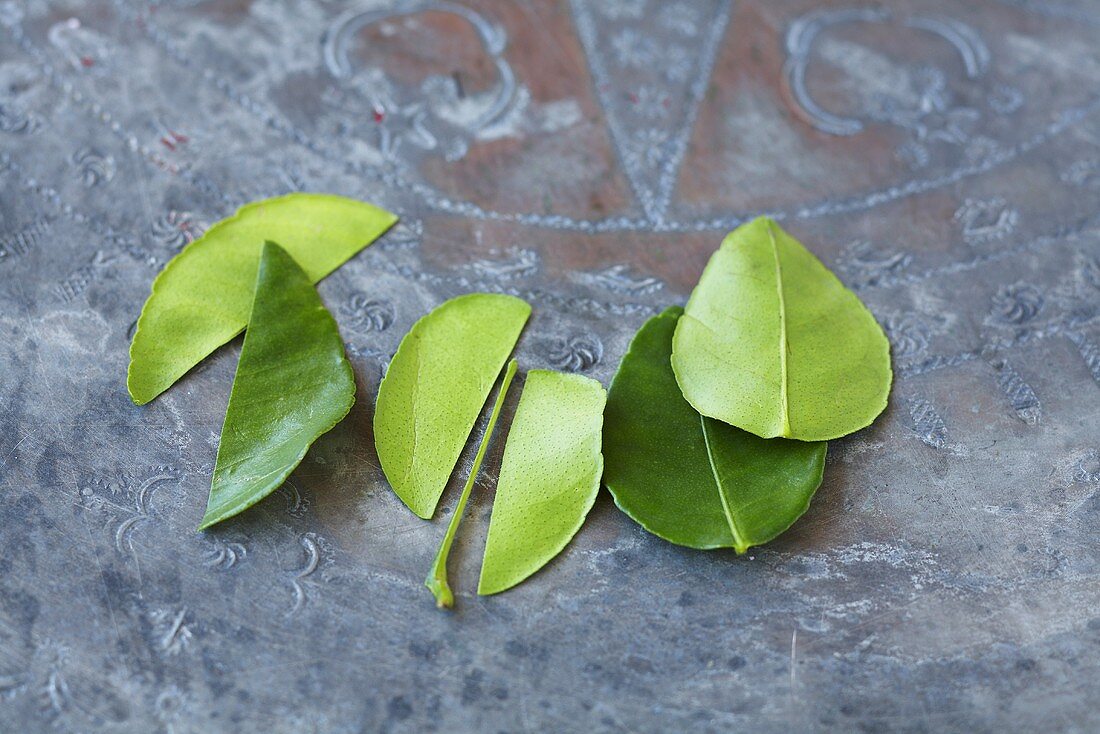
437, 577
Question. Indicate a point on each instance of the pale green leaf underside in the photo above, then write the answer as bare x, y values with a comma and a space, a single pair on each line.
293, 383
202, 298
689, 479
549, 476
772, 342
435, 388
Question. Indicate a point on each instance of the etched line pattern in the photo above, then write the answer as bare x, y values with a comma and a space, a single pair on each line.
1020, 395
865, 265
170, 630
103, 116
445, 118
515, 263
318, 556
52, 197
621, 279
915, 368
1084, 173
1061, 121
909, 335
1086, 470
15, 120
175, 229
540, 295
986, 220
224, 555
92, 167
1090, 353
664, 78
78, 281
575, 353
1017, 304
127, 499
927, 423
23, 241
297, 506
366, 314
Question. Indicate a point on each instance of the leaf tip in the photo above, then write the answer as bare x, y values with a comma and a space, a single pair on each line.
424, 513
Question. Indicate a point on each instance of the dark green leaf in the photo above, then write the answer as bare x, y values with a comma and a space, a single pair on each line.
293, 383
693, 480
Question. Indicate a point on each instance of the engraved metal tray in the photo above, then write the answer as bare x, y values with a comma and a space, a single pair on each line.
943, 158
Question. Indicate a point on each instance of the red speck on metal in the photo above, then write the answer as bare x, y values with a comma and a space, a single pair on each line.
87, 61
167, 143
179, 137
633, 98
378, 114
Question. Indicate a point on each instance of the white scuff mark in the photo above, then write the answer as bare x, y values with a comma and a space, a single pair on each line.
1066, 57
794, 663
526, 117
835, 565
870, 73
857, 608
895, 556
783, 150
76, 332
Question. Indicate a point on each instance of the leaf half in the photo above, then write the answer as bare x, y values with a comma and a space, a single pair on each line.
435, 388
202, 298
689, 479
772, 342
293, 383
549, 477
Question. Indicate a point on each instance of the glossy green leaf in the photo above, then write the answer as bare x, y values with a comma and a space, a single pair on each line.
437, 578
689, 479
549, 477
435, 388
772, 342
202, 298
293, 383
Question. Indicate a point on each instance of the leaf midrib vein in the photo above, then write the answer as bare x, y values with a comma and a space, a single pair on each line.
739, 542
784, 415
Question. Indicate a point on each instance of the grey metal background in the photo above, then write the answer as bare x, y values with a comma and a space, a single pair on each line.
943, 157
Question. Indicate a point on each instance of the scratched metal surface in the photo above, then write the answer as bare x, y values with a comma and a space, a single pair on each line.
943, 158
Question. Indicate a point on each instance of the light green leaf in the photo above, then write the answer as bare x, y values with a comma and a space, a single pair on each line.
437, 577
293, 383
435, 388
202, 297
549, 476
689, 479
772, 342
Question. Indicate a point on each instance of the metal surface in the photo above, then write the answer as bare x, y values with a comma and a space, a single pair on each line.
943, 158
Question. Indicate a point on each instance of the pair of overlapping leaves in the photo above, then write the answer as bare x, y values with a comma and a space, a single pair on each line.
293, 382
428, 403
717, 420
